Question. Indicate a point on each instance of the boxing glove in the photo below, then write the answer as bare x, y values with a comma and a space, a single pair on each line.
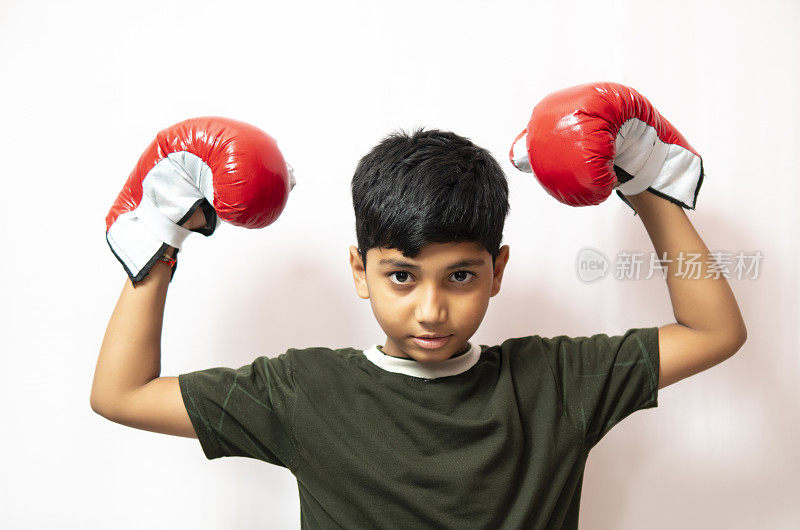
584, 142
231, 169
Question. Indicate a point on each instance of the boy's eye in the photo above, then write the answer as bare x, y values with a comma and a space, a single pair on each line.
402, 276
461, 277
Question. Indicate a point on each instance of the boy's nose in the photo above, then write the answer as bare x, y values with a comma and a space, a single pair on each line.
431, 307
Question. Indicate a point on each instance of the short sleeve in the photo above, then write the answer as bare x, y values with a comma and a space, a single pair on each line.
245, 411
604, 379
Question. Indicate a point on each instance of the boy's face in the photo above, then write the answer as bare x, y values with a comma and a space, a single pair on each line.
430, 295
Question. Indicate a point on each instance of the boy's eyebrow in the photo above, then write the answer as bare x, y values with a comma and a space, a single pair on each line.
469, 262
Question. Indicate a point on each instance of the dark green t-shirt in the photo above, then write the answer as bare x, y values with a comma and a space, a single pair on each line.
494, 438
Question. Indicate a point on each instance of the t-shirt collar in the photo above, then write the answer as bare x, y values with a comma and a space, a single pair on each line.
432, 370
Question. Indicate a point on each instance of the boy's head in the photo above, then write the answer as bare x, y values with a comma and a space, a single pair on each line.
429, 199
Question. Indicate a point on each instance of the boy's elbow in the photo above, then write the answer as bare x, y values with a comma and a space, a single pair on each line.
98, 406
736, 339
742, 337
743, 332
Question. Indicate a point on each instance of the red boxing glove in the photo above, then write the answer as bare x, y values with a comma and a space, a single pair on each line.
585, 141
232, 170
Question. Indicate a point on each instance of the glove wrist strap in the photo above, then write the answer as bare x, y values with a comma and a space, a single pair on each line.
159, 225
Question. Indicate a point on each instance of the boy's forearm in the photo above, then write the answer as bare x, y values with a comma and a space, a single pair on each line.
130, 355
702, 303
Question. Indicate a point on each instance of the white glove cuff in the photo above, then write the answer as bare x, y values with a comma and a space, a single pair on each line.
671, 170
169, 192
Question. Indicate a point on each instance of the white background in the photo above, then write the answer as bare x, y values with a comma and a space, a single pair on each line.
84, 86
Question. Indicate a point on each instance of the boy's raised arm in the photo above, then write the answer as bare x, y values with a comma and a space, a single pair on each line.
127, 388
587, 141
192, 175
709, 327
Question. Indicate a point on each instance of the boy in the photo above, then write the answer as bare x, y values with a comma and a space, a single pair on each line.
428, 430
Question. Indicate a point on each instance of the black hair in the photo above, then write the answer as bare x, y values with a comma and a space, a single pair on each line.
428, 187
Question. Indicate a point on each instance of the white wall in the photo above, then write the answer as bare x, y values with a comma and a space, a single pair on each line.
85, 85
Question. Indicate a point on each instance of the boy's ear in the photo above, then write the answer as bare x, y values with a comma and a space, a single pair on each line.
499, 267
359, 273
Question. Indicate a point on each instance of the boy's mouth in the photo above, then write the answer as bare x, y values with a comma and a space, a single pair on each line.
432, 342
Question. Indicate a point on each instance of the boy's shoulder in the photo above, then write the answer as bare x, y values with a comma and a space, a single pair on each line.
321, 359
323, 353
